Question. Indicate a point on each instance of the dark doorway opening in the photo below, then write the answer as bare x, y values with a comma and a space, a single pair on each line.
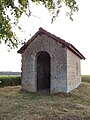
43, 71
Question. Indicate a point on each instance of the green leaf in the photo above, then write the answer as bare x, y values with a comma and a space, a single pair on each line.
6, 24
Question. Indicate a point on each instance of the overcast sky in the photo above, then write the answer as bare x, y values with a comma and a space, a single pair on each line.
76, 32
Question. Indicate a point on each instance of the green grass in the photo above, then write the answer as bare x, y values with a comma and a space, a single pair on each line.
16, 104
85, 78
10, 80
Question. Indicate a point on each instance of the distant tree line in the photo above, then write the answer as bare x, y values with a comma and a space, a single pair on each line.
10, 73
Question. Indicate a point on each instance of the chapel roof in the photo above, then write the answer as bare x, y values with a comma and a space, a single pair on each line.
58, 39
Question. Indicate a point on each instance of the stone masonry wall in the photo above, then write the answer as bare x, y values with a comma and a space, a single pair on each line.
73, 71
58, 56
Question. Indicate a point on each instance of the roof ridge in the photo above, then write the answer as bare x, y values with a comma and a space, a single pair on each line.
45, 31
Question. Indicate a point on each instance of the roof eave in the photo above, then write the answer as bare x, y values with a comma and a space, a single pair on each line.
74, 50
22, 49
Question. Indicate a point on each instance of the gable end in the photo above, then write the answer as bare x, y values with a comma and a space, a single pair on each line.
63, 42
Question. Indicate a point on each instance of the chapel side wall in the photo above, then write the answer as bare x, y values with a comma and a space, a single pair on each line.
73, 71
58, 71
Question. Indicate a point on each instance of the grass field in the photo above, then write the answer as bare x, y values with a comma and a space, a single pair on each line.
86, 78
18, 105
10, 80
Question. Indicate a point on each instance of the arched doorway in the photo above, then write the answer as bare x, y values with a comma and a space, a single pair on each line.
43, 71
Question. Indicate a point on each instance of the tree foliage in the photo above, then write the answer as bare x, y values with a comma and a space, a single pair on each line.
16, 8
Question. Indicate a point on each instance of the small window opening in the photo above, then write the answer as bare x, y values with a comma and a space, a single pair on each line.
77, 69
